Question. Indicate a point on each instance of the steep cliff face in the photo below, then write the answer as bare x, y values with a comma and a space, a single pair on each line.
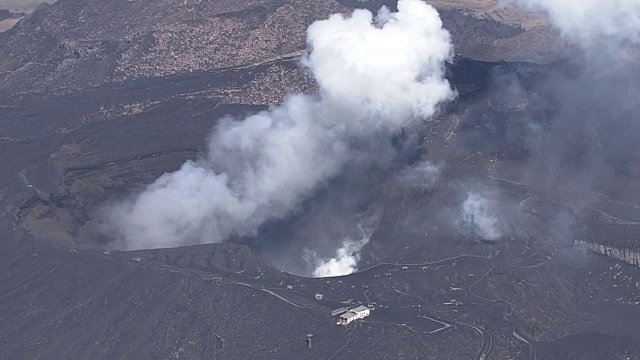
629, 256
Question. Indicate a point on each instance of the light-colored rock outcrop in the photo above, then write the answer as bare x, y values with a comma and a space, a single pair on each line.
629, 256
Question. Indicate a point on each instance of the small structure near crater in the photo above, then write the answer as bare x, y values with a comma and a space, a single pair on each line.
359, 312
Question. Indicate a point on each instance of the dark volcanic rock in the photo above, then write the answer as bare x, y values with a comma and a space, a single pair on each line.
182, 303
99, 98
591, 346
5, 14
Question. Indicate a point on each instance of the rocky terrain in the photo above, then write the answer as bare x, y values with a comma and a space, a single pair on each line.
70, 46
99, 98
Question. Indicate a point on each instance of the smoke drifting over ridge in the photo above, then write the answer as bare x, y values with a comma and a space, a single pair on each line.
376, 76
584, 112
590, 21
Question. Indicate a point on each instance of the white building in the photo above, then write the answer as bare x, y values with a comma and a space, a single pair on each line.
359, 312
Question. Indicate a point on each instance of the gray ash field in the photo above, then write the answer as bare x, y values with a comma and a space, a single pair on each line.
504, 226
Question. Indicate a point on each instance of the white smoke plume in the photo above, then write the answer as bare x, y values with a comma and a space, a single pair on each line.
346, 260
424, 174
590, 21
376, 76
479, 217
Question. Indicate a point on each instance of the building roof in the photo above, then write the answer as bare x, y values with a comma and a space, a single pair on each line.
347, 315
359, 309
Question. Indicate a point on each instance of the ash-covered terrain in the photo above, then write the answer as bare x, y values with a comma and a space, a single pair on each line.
208, 179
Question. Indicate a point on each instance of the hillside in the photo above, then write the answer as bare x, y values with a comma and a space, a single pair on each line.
502, 227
